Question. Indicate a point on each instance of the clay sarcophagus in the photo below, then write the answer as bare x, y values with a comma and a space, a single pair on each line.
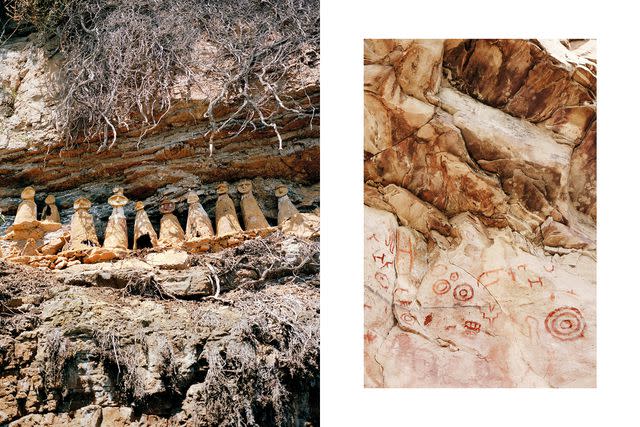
226, 218
50, 212
198, 222
144, 236
115, 236
171, 233
251, 214
83, 230
27, 216
286, 209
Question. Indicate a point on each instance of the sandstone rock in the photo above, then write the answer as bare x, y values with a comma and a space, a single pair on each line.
454, 315
558, 234
304, 226
438, 177
493, 264
419, 70
582, 175
409, 209
379, 282
170, 259
390, 114
186, 285
515, 75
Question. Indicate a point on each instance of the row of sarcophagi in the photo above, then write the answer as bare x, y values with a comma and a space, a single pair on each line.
199, 226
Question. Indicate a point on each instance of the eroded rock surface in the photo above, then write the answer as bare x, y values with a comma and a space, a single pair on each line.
480, 244
150, 341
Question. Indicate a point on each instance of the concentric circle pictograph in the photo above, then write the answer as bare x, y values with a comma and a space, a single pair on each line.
463, 292
407, 317
565, 323
441, 287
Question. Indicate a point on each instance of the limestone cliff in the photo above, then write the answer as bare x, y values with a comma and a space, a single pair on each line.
480, 177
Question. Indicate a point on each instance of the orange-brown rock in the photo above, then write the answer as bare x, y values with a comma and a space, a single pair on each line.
409, 209
390, 114
251, 213
518, 76
302, 225
426, 165
582, 175
30, 248
226, 218
479, 260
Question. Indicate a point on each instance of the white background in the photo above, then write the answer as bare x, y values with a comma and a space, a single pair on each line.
344, 401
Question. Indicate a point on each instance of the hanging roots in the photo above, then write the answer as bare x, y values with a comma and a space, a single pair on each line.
123, 59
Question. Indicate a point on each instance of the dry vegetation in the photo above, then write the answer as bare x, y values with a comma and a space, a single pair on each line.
121, 59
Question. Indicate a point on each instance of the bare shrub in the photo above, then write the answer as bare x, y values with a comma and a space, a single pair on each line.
56, 352
274, 345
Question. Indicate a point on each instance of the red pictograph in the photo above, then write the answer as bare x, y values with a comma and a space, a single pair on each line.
382, 258
565, 323
454, 276
427, 319
472, 326
491, 314
485, 275
441, 287
369, 337
382, 280
407, 317
537, 281
389, 242
405, 247
463, 292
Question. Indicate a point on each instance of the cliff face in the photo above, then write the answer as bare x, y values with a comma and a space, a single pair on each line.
480, 176
160, 338
180, 153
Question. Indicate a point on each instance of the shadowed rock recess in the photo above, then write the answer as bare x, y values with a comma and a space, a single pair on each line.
480, 216
162, 337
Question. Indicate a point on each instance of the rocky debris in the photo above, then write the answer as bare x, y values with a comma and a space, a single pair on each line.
169, 260
479, 238
112, 342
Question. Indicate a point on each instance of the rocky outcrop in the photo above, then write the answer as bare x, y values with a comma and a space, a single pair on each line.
479, 174
151, 342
